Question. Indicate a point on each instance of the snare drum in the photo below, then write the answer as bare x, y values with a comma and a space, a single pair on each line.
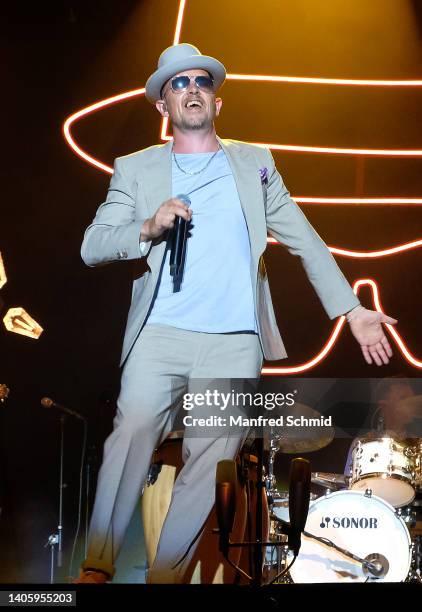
386, 467
366, 526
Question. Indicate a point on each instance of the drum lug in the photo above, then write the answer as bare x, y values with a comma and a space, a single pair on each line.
368, 493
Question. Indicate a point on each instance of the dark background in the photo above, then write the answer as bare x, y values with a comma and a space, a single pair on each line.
57, 60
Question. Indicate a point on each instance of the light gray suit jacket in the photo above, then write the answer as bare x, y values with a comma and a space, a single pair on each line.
142, 182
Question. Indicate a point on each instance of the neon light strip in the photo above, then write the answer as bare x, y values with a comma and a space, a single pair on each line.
325, 81
268, 371
179, 21
367, 254
366, 201
343, 151
87, 111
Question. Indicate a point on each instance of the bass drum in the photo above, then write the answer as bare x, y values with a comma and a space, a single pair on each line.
208, 565
366, 526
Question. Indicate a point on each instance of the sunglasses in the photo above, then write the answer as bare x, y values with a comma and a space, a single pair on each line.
181, 83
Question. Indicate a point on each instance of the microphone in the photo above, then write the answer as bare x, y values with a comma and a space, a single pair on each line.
225, 500
49, 403
178, 240
299, 496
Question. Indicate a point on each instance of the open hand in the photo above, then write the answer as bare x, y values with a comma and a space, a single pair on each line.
366, 326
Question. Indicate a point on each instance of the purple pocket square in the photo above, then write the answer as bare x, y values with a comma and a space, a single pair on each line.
263, 173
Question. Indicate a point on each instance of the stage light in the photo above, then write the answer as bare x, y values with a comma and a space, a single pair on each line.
18, 321
3, 277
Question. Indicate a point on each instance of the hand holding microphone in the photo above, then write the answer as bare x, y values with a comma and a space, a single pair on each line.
165, 218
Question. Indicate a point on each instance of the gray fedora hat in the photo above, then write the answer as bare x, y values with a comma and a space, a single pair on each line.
177, 58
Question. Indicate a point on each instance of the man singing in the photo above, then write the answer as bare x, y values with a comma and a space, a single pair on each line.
217, 322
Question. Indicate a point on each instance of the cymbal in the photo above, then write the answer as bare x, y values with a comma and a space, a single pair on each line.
329, 480
305, 435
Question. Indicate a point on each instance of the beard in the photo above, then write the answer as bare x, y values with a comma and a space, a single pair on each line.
193, 123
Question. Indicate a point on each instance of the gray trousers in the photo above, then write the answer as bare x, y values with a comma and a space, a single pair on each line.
157, 373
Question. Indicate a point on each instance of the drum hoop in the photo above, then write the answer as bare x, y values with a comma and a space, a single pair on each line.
363, 441
383, 475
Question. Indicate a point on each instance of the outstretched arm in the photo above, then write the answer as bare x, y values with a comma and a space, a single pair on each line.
287, 223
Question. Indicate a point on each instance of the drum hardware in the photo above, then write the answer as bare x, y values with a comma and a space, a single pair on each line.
269, 478
331, 482
415, 574
408, 515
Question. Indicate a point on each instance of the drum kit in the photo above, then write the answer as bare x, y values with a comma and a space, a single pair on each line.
373, 512
369, 517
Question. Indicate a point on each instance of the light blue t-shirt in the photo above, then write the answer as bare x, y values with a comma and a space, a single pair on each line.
215, 294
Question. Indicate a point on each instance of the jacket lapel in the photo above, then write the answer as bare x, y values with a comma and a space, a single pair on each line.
155, 175
248, 182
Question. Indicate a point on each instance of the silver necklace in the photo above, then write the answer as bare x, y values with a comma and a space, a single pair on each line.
198, 171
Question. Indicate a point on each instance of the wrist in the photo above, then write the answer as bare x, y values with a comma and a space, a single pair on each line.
356, 311
145, 231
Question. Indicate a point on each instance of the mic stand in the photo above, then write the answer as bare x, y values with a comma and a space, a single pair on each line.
61, 485
56, 538
52, 541
376, 568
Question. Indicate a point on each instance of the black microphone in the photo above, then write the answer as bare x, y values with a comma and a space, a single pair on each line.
49, 403
299, 496
178, 239
225, 500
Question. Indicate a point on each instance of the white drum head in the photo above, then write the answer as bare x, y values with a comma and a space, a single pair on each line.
364, 526
396, 492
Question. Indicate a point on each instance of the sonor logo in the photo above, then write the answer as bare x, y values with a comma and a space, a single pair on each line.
349, 522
